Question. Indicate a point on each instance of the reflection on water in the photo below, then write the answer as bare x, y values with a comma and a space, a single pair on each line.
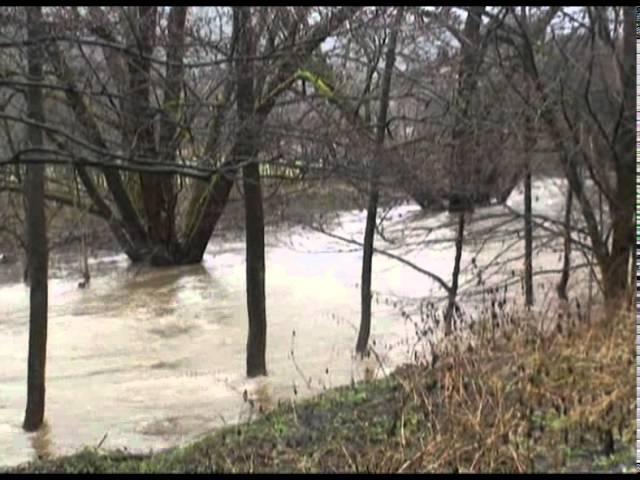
155, 357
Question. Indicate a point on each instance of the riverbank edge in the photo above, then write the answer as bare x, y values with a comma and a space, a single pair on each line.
403, 422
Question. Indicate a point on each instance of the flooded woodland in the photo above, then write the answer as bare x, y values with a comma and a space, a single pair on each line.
208, 214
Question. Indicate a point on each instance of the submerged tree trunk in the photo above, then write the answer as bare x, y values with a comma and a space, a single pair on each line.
566, 261
372, 205
256, 303
451, 304
86, 276
254, 218
37, 250
529, 143
461, 199
367, 266
528, 238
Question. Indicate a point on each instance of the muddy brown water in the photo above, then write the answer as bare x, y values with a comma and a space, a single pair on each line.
152, 358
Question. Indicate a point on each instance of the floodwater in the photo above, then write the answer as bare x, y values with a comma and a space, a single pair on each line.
147, 359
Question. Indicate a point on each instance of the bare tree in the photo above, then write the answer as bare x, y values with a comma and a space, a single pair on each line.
372, 205
37, 251
137, 108
599, 139
460, 198
246, 152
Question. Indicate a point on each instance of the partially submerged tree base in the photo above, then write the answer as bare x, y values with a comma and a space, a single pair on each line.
37, 248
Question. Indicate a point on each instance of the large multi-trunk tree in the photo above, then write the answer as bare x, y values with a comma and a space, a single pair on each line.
37, 252
147, 125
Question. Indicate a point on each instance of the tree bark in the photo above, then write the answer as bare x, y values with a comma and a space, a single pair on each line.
256, 301
372, 205
37, 250
245, 154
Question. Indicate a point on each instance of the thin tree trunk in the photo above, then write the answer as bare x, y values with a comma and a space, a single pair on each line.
529, 143
451, 304
254, 218
367, 266
372, 205
256, 302
566, 262
528, 238
37, 250
86, 276
461, 200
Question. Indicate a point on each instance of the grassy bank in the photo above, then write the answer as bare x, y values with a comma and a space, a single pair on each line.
518, 402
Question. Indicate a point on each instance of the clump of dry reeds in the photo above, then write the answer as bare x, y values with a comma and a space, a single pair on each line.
528, 398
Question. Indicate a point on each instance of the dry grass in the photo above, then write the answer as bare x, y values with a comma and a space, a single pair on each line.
527, 401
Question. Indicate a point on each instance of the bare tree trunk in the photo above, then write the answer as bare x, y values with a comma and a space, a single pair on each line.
461, 199
566, 262
37, 250
86, 277
367, 267
529, 143
254, 217
622, 207
161, 192
448, 316
372, 205
256, 302
157, 190
528, 238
